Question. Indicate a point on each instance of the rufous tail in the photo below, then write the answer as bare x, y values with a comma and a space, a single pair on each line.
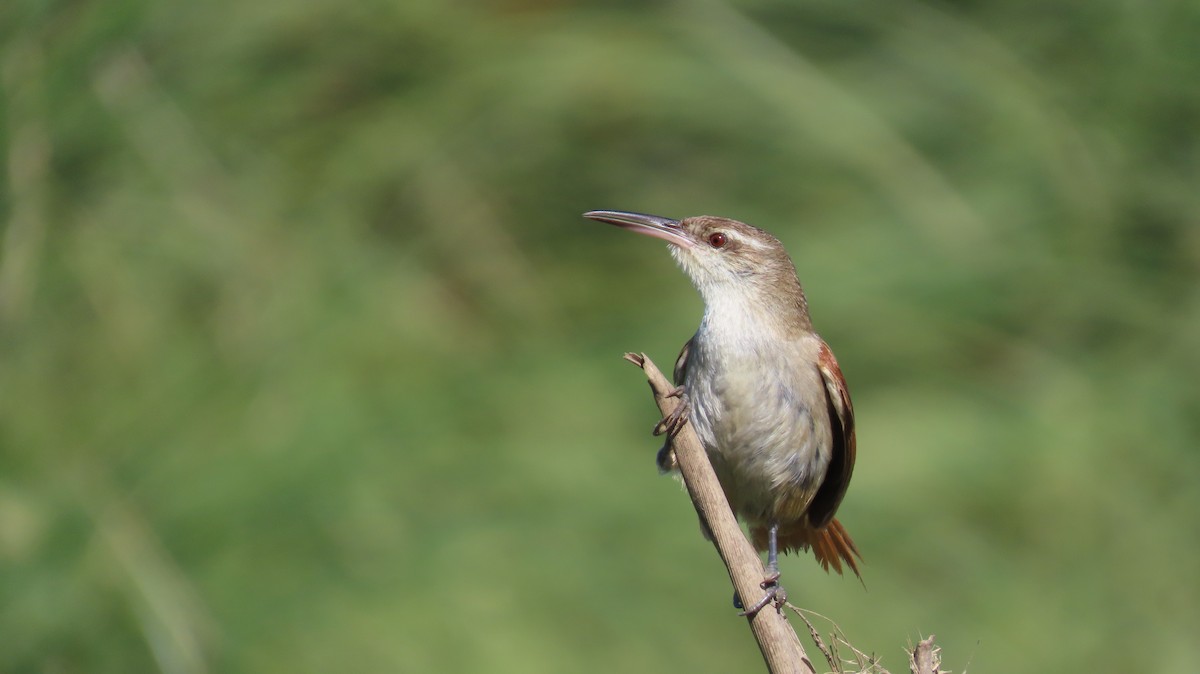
831, 545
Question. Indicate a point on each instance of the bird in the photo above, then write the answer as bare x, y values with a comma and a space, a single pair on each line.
763, 392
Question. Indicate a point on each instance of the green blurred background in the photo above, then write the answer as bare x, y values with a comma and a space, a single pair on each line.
309, 363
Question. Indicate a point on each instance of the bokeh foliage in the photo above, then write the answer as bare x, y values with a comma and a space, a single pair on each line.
308, 362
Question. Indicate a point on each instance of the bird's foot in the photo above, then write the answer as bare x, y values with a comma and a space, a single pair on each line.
774, 593
673, 422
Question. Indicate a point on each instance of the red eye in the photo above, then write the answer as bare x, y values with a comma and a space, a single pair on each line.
717, 240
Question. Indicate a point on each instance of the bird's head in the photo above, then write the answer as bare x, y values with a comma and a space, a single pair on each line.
723, 257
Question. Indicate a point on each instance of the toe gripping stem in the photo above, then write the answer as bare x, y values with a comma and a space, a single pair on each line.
674, 422
774, 592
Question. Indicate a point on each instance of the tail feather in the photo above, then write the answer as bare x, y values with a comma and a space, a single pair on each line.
831, 545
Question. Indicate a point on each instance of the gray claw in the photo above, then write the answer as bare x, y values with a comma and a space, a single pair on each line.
674, 422
774, 593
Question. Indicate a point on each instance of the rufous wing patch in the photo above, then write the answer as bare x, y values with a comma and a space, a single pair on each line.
842, 455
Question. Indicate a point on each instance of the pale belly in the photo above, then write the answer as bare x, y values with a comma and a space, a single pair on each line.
766, 429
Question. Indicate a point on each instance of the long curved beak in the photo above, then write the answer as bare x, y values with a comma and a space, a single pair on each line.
651, 225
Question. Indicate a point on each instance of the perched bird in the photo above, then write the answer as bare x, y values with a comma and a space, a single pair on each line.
761, 389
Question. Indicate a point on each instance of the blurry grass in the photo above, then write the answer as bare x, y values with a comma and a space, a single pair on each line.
308, 362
